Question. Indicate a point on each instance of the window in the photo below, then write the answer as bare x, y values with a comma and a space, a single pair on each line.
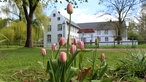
98, 32
49, 28
58, 18
59, 27
106, 39
59, 36
54, 15
49, 38
106, 32
99, 39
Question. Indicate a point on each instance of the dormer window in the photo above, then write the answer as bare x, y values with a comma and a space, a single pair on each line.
58, 18
54, 14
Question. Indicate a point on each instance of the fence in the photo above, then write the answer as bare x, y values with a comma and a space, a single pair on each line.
19, 43
131, 43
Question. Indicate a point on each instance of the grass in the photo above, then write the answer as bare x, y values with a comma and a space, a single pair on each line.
19, 64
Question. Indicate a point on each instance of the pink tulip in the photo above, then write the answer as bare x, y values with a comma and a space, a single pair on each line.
43, 51
63, 57
53, 46
61, 41
81, 45
102, 57
69, 8
75, 41
72, 49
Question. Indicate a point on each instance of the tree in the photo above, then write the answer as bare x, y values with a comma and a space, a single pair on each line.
122, 8
3, 24
28, 7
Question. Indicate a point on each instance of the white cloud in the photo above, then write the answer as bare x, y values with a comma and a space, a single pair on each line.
81, 16
2, 15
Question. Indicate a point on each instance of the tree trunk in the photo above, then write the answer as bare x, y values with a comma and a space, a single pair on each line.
29, 42
119, 36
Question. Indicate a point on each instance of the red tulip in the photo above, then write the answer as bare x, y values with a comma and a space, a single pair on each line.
72, 49
43, 51
53, 46
63, 57
69, 8
61, 41
81, 45
75, 41
102, 57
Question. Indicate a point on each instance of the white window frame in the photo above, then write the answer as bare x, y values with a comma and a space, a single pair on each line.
50, 28
106, 39
98, 32
59, 27
49, 38
59, 36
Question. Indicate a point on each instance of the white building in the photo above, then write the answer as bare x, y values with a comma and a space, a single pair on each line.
104, 31
88, 32
59, 28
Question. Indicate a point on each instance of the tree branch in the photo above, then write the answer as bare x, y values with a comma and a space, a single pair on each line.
25, 10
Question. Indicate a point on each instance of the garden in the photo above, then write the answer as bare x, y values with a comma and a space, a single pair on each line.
26, 65
72, 62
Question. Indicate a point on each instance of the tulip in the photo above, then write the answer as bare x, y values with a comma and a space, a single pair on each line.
81, 45
63, 57
72, 49
102, 57
53, 46
69, 8
61, 41
75, 41
43, 51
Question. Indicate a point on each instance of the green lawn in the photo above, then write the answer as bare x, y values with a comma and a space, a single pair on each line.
19, 64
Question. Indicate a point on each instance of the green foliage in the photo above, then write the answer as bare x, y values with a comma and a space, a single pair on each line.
12, 60
3, 23
19, 30
133, 66
9, 34
134, 36
61, 72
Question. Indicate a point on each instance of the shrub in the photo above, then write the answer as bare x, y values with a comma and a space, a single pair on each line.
133, 66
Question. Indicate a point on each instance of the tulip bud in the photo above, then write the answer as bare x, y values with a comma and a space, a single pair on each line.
75, 41
69, 8
102, 57
63, 57
43, 51
72, 49
96, 41
81, 45
61, 41
53, 46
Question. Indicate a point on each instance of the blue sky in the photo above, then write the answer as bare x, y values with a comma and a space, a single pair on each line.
88, 12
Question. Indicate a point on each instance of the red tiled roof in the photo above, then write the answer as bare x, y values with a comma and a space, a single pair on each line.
86, 31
